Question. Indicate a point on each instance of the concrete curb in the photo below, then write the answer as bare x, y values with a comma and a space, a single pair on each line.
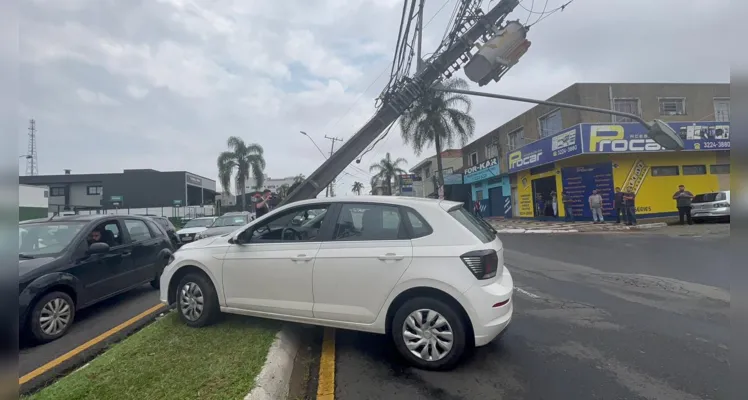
651, 226
273, 381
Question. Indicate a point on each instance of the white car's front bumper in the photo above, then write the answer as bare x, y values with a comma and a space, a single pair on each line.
493, 306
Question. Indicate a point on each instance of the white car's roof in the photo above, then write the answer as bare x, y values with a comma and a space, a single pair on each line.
415, 202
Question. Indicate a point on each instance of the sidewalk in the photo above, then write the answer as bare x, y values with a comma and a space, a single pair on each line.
558, 226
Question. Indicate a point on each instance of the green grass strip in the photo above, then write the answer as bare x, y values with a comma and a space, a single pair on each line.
168, 360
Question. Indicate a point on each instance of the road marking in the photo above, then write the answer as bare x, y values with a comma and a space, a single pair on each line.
326, 381
85, 346
526, 293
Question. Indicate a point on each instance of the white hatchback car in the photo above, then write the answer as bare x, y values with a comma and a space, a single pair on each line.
424, 271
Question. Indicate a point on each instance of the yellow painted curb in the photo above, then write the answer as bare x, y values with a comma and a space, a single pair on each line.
326, 381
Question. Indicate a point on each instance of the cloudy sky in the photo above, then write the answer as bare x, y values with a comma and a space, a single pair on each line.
116, 84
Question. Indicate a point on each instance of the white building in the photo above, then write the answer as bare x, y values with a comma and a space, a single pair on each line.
269, 184
426, 169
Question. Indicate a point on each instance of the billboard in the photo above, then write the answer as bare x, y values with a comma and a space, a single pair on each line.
482, 171
566, 144
632, 137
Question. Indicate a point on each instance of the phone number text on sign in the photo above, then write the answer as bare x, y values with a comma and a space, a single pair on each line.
563, 151
716, 145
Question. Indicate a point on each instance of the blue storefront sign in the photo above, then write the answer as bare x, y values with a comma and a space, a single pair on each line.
563, 145
485, 170
632, 137
453, 179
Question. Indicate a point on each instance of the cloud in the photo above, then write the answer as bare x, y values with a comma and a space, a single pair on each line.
162, 84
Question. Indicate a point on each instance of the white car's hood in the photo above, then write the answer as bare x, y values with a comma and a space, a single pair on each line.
190, 231
207, 242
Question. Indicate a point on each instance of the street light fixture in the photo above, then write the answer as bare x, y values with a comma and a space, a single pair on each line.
658, 131
26, 156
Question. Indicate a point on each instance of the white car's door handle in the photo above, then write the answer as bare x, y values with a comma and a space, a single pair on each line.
302, 257
391, 257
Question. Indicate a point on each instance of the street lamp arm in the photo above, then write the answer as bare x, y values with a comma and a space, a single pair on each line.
545, 103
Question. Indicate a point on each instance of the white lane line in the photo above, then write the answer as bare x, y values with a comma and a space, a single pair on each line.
526, 293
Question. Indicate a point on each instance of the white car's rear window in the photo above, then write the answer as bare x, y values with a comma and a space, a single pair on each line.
478, 228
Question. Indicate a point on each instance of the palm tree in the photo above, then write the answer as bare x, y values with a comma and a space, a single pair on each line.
439, 118
357, 187
283, 190
244, 159
388, 170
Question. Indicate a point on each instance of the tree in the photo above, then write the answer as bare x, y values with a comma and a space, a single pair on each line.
283, 190
297, 180
242, 159
439, 118
387, 170
357, 187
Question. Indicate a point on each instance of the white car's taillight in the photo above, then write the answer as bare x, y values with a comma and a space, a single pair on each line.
484, 264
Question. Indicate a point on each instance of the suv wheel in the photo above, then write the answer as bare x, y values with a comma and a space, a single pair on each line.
197, 302
52, 316
429, 334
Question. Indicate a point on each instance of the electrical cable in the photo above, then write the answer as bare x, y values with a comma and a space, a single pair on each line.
530, 12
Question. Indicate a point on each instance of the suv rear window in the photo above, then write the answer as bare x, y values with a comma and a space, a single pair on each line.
478, 228
708, 197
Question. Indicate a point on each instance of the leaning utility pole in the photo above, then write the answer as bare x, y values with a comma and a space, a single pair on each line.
330, 188
402, 97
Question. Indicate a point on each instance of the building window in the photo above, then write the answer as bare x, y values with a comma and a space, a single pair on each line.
631, 106
492, 150
473, 158
426, 172
672, 106
478, 195
550, 124
516, 139
57, 191
94, 190
722, 110
666, 171
694, 170
719, 169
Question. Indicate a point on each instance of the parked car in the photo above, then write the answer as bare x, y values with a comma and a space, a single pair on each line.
425, 272
251, 214
225, 224
171, 230
194, 226
711, 206
61, 270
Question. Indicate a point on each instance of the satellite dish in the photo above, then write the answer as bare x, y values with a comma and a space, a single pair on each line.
665, 136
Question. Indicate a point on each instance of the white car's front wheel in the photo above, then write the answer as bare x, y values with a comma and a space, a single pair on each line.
197, 302
429, 333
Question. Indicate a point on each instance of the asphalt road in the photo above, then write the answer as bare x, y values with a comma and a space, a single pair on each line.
89, 323
615, 316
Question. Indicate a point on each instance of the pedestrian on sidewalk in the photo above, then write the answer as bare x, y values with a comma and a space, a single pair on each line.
618, 206
568, 214
683, 201
554, 203
629, 206
596, 205
476, 209
539, 205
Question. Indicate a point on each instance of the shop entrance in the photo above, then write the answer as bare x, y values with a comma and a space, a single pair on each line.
543, 191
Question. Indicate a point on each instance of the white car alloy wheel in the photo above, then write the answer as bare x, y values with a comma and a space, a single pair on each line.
55, 316
191, 301
428, 335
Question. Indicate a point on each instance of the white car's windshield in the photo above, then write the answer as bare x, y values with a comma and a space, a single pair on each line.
199, 223
46, 238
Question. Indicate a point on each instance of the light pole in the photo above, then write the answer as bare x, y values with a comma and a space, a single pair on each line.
657, 130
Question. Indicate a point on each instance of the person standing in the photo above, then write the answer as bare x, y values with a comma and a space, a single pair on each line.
596, 205
554, 203
540, 205
683, 201
618, 206
629, 207
568, 213
262, 207
476, 209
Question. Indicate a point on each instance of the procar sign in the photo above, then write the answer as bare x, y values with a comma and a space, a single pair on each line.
482, 171
632, 137
565, 144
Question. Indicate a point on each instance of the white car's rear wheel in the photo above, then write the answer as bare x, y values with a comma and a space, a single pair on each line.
429, 333
197, 302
